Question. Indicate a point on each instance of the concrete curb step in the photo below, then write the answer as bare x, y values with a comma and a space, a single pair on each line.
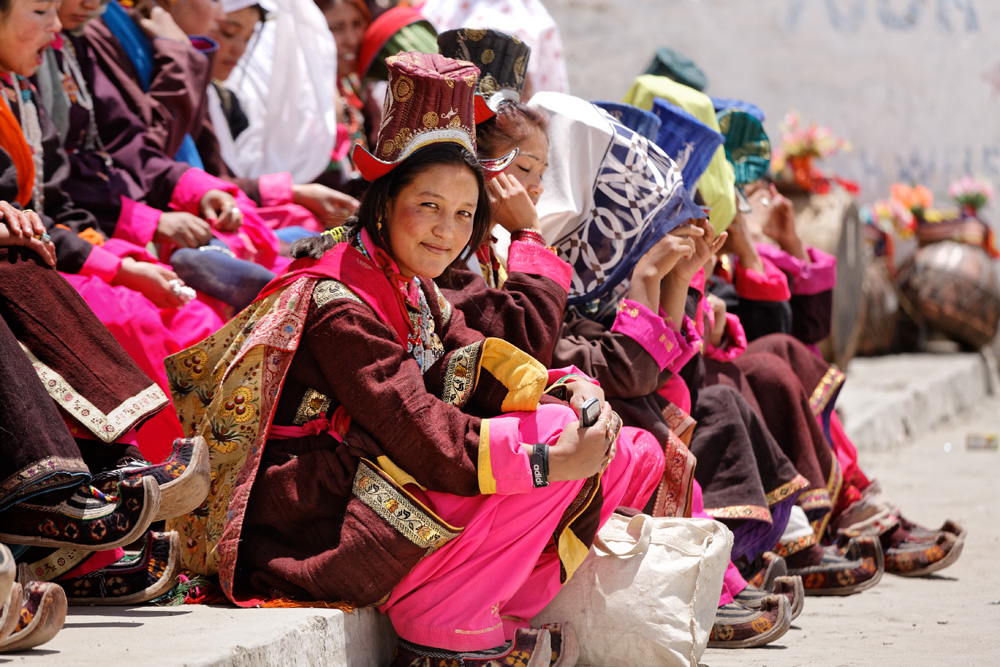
888, 400
215, 636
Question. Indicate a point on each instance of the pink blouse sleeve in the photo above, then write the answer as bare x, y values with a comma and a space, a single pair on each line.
817, 275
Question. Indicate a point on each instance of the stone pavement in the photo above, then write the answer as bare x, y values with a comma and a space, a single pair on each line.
906, 415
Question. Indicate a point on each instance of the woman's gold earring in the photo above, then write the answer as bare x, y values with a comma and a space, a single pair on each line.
379, 224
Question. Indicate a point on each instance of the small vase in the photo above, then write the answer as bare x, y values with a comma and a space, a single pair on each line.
802, 171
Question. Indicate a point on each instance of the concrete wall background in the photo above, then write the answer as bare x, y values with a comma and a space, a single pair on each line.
914, 85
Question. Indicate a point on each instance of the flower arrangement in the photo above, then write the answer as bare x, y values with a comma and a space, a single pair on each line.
917, 199
971, 194
892, 216
800, 145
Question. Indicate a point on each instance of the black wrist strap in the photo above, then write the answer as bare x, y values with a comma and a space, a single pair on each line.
539, 461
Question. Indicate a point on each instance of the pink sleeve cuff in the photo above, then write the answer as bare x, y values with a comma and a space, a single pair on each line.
817, 275
102, 264
650, 331
525, 257
689, 342
122, 249
676, 391
275, 189
192, 186
772, 285
734, 342
137, 222
504, 466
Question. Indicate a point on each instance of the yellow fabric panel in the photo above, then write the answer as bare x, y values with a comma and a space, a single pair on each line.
571, 552
522, 375
399, 476
487, 482
719, 180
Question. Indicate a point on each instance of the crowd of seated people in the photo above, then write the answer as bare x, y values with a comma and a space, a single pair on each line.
341, 354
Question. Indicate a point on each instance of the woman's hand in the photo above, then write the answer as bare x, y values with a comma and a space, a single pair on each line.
741, 244
182, 229
578, 391
329, 206
511, 204
161, 24
150, 280
25, 228
705, 247
580, 453
719, 312
220, 210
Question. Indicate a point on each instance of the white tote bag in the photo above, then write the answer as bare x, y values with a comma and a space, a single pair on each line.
647, 593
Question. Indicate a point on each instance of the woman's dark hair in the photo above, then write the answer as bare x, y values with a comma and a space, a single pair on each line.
5, 7
511, 125
375, 201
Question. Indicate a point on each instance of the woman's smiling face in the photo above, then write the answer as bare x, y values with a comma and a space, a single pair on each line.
431, 220
26, 30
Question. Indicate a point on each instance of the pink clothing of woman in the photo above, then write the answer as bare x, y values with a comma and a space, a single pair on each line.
509, 529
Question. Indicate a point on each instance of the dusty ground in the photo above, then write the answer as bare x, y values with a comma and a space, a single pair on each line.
952, 618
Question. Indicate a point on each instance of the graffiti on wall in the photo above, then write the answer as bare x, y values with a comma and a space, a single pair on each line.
849, 16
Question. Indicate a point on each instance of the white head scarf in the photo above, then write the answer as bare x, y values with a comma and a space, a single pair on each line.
287, 85
610, 194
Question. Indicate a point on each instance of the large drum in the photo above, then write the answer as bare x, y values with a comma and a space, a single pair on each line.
954, 288
879, 311
831, 223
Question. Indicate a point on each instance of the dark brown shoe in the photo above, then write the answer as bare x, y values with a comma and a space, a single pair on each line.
183, 479
854, 565
88, 519
789, 587
529, 648
737, 626
133, 579
42, 614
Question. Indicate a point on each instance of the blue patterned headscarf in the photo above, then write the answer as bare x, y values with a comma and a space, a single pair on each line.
638, 120
610, 195
686, 139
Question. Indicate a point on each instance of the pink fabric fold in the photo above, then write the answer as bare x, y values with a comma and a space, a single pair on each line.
509, 461
275, 189
649, 330
772, 285
101, 264
525, 257
137, 222
817, 275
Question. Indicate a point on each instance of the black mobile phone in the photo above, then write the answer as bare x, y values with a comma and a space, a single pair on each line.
589, 411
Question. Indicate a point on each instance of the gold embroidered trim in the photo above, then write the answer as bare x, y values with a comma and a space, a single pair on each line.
786, 549
313, 405
741, 512
461, 375
57, 563
61, 470
108, 427
782, 492
400, 511
329, 290
815, 499
824, 391
444, 305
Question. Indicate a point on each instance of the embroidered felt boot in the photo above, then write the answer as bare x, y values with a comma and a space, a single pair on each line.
183, 479
87, 519
765, 569
787, 587
737, 626
8, 571
529, 648
42, 612
855, 565
134, 579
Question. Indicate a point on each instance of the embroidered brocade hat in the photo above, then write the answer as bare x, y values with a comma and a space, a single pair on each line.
502, 60
430, 99
746, 144
638, 120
